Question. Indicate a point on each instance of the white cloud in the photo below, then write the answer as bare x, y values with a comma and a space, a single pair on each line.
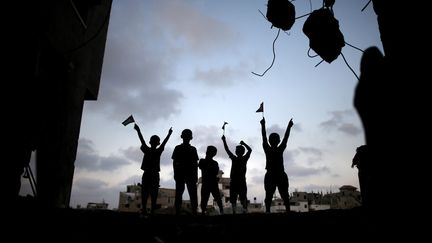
338, 122
199, 33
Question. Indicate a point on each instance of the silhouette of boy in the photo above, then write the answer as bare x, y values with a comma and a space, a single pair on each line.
185, 164
238, 173
370, 103
361, 161
275, 175
209, 171
151, 167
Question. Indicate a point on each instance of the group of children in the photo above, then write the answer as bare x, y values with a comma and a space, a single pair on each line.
186, 163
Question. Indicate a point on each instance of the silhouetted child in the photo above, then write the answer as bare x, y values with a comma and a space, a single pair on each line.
275, 175
238, 173
373, 110
209, 171
185, 164
368, 95
361, 161
151, 167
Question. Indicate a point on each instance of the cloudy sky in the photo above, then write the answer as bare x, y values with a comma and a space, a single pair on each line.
188, 63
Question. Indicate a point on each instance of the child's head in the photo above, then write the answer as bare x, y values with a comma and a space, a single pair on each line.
154, 141
211, 151
186, 135
240, 150
274, 139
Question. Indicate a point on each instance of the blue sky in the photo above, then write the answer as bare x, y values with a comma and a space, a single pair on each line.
188, 63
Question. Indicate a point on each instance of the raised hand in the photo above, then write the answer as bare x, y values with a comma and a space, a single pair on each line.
291, 123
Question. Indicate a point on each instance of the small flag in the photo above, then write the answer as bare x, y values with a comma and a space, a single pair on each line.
223, 127
128, 120
261, 108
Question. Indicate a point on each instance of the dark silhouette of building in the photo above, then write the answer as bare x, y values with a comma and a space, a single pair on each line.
54, 59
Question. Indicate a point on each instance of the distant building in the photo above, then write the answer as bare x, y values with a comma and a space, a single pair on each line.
97, 206
130, 200
255, 207
298, 202
348, 197
277, 205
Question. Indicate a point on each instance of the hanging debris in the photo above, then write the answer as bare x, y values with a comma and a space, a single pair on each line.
325, 38
281, 13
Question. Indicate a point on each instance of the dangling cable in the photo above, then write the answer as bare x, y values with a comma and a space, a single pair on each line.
309, 55
274, 56
349, 66
366, 5
263, 14
304, 15
354, 47
319, 63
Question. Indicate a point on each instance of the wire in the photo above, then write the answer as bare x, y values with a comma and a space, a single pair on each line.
354, 47
304, 15
349, 66
309, 55
83, 44
366, 5
319, 63
263, 14
274, 56
78, 14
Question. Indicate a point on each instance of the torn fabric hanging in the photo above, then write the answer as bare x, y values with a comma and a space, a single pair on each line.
325, 38
281, 13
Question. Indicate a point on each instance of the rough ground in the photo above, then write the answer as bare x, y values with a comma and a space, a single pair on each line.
31, 222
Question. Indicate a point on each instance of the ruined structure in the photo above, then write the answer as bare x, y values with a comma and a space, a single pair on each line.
55, 55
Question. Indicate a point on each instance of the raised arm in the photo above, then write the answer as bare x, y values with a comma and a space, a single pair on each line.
230, 154
166, 138
140, 135
287, 132
263, 131
355, 160
248, 148
360, 153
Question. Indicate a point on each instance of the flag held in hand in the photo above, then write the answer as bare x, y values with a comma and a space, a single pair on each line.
261, 108
128, 120
223, 127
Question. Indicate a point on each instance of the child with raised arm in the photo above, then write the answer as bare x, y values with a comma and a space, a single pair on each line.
275, 175
151, 167
209, 173
238, 186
